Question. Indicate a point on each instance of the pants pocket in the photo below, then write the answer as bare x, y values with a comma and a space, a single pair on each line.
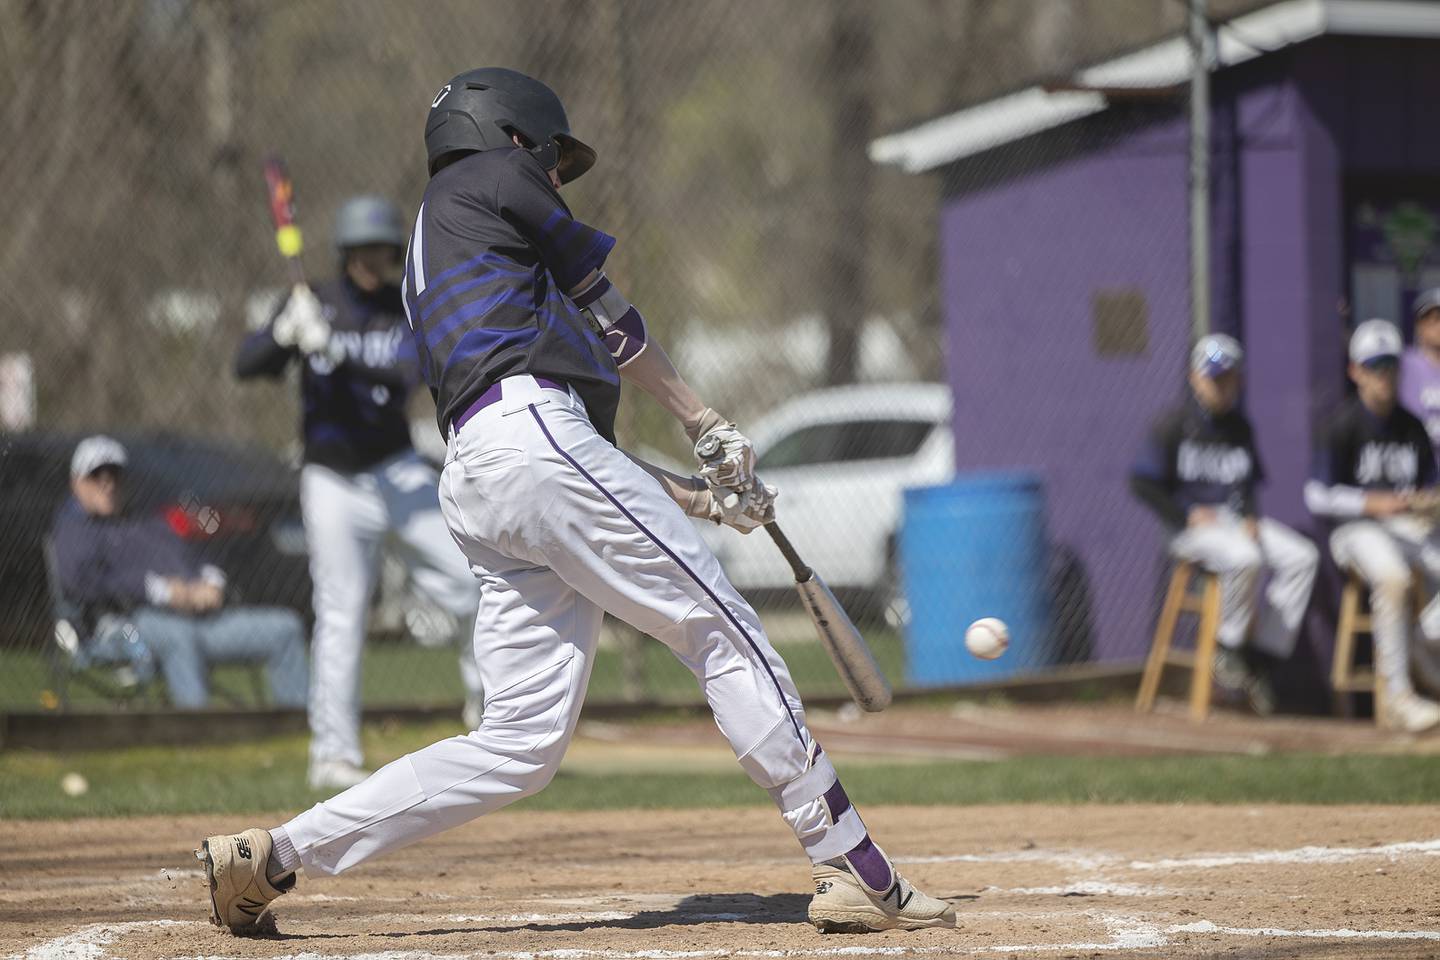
482, 463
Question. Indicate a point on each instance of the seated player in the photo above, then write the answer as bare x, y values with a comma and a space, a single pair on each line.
145, 599
1374, 468
1420, 365
1198, 472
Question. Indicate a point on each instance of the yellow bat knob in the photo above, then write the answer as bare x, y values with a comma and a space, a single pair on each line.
287, 238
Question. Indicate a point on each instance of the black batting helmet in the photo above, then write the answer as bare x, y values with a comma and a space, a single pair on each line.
482, 109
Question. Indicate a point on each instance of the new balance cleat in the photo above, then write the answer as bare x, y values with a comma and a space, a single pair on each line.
240, 893
846, 903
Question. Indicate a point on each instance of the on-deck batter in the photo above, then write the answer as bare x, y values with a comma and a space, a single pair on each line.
523, 341
362, 482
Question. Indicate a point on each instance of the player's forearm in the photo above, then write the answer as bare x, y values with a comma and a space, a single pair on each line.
1334, 500
260, 356
1158, 498
690, 493
653, 373
640, 357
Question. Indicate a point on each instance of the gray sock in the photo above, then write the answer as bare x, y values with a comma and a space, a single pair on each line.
284, 861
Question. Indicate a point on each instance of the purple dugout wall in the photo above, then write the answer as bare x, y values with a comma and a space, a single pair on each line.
1031, 231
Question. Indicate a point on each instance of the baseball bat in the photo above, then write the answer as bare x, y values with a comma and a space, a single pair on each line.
282, 214
853, 659
848, 650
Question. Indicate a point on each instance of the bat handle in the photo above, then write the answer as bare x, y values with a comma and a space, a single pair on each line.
802, 571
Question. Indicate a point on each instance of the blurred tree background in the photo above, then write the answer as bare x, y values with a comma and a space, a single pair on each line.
766, 249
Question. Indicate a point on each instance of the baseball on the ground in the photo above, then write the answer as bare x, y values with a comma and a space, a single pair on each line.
74, 784
987, 638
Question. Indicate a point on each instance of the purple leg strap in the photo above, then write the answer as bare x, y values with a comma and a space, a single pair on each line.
870, 865
836, 800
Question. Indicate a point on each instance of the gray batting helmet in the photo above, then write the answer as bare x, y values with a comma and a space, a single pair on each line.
369, 219
482, 109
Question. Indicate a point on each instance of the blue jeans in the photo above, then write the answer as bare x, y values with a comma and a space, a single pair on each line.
185, 646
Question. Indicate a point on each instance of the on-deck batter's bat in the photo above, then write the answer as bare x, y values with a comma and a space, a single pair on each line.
848, 650
282, 214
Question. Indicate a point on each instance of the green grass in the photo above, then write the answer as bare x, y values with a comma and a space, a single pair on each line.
269, 776
408, 674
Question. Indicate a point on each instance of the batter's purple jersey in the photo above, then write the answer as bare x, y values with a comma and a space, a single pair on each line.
1420, 390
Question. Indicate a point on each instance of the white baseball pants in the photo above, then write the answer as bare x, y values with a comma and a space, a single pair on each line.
347, 517
1227, 549
1382, 552
560, 526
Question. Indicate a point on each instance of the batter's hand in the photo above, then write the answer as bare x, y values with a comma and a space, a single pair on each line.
302, 323
726, 456
744, 511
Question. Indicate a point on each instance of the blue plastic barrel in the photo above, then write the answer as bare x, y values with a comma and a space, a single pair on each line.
975, 548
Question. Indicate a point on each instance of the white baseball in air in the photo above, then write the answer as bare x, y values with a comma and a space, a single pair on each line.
987, 638
74, 784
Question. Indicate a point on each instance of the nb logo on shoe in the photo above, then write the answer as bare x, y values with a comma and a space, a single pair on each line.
901, 901
823, 886
242, 846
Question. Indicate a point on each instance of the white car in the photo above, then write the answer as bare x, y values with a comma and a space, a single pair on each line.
841, 458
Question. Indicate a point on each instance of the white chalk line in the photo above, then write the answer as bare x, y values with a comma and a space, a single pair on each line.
1301, 855
1125, 933
1094, 860
1344, 933
89, 943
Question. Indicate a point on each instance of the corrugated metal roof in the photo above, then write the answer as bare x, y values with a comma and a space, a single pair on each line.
1002, 120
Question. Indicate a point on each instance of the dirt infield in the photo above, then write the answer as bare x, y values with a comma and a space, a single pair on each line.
1028, 881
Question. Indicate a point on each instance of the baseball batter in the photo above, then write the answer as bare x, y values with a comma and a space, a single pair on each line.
524, 340
362, 481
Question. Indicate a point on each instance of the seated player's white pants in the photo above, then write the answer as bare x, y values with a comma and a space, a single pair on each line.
560, 526
1226, 549
1382, 553
347, 517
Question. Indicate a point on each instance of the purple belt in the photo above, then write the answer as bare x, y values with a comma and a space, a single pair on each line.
493, 394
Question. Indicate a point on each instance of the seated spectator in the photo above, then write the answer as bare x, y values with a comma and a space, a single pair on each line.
1371, 466
146, 600
1198, 472
1420, 365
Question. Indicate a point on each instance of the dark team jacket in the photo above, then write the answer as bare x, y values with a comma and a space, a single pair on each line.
493, 254
103, 562
1360, 449
1194, 458
353, 411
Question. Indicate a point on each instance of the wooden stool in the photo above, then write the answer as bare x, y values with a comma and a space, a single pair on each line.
1179, 599
1354, 620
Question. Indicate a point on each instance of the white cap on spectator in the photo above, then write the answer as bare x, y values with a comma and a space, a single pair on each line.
95, 452
1216, 354
1375, 340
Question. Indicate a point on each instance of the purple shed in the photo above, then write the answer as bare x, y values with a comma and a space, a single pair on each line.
1064, 272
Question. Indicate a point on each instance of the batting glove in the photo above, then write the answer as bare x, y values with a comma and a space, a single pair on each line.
726, 456
302, 323
743, 511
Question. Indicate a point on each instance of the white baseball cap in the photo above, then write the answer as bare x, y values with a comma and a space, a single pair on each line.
95, 452
1216, 354
1374, 340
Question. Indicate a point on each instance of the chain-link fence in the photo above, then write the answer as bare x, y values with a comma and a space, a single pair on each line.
826, 302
